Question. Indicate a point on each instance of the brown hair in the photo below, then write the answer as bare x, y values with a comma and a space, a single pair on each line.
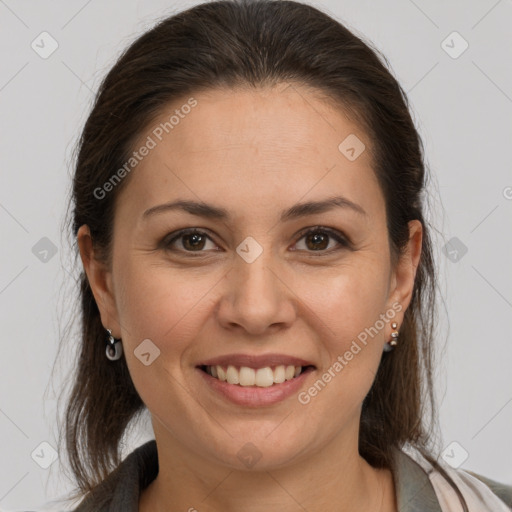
252, 44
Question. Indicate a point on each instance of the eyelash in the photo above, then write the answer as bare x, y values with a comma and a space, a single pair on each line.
343, 241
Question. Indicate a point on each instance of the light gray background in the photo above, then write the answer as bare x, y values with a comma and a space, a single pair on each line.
462, 107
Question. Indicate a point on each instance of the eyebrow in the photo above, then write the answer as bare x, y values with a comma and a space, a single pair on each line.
210, 211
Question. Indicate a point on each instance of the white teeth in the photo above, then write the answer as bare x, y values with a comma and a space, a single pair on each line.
262, 377
247, 376
279, 374
232, 375
221, 374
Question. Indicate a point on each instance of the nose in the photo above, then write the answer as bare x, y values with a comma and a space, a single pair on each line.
258, 297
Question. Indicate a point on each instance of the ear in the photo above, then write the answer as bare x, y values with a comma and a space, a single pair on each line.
100, 281
402, 280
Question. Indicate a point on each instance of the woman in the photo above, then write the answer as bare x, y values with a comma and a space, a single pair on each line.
258, 274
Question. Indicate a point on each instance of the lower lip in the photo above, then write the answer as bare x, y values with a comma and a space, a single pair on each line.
255, 396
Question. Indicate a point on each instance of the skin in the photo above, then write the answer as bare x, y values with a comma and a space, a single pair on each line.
254, 153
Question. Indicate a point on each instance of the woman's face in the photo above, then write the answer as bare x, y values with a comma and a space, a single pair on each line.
253, 283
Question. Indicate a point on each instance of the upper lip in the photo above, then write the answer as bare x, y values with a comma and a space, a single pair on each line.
255, 361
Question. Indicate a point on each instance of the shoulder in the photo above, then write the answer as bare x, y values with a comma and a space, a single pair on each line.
421, 487
503, 491
121, 489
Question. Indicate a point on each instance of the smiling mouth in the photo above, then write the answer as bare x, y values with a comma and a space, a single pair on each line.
259, 377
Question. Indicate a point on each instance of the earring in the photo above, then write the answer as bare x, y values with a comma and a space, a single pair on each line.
390, 345
114, 349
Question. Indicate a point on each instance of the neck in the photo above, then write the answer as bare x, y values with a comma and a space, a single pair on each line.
334, 478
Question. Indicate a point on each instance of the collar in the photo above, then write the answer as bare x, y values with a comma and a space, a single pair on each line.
414, 491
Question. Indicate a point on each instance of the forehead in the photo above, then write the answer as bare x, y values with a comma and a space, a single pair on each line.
281, 143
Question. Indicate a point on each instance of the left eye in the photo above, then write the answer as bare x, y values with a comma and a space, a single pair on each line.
316, 239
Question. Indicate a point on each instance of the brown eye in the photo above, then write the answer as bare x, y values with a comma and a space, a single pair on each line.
191, 240
318, 239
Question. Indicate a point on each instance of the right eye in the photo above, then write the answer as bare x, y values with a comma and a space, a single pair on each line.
191, 240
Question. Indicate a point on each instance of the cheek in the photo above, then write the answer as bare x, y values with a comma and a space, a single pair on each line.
168, 307
350, 298
161, 303
348, 315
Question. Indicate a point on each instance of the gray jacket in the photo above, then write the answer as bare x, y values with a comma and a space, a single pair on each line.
414, 490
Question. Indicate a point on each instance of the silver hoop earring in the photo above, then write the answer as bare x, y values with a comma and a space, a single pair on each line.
114, 349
